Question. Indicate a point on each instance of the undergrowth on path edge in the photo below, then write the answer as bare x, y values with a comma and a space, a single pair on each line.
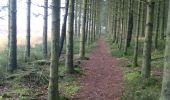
30, 80
135, 88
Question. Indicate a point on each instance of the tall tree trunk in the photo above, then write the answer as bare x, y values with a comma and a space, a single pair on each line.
146, 65
28, 45
69, 38
63, 30
92, 21
165, 93
53, 93
12, 63
45, 29
163, 19
82, 33
76, 18
79, 18
157, 27
130, 27
143, 19
8, 23
122, 24
115, 22
135, 60
89, 22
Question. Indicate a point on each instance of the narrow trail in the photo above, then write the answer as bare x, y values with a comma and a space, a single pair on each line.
102, 79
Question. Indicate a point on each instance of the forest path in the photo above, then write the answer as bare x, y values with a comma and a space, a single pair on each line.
102, 79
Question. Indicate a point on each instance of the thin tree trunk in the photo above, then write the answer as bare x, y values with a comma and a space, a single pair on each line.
63, 31
80, 15
75, 19
163, 19
130, 28
82, 34
8, 23
69, 38
135, 60
165, 93
157, 27
28, 45
45, 29
143, 19
146, 65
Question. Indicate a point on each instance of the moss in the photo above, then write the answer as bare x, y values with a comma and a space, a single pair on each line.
132, 75
137, 88
30, 76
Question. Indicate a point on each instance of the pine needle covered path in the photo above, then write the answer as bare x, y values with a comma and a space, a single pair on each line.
102, 79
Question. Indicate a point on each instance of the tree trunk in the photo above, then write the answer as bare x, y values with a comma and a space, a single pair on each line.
157, 27
79, 18
135, 60
8, 23
45, 29
76, 17
69, 38
63, 31
165, 93
146, 65
53, 93
89, 22
163, 19
130, 28
28, 45
82, 33
143, 19
115, 22
12, 63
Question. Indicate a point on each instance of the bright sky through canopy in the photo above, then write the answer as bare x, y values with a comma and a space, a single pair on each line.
36, 21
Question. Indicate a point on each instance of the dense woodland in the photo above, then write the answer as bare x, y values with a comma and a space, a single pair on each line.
136, 31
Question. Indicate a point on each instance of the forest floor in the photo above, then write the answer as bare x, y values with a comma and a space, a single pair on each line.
103, 78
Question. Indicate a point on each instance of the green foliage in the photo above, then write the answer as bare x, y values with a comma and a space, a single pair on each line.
132, 75
137, 88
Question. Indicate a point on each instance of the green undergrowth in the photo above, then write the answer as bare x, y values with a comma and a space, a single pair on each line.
30, 80
135, 87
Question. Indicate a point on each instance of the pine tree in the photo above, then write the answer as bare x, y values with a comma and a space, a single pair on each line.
69, 38
146, 65
28, 44
12, 59
165, 93
53, 93
45, 29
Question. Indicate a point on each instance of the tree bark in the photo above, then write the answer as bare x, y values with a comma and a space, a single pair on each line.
135, 60
28, 44
45, 29
82, 33
12, 59
146, 65
63, 30
165, 93
69, 38
53, 93
130, 27
157, 27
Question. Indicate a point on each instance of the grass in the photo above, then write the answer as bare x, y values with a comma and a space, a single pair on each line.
30, 80
137, 88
